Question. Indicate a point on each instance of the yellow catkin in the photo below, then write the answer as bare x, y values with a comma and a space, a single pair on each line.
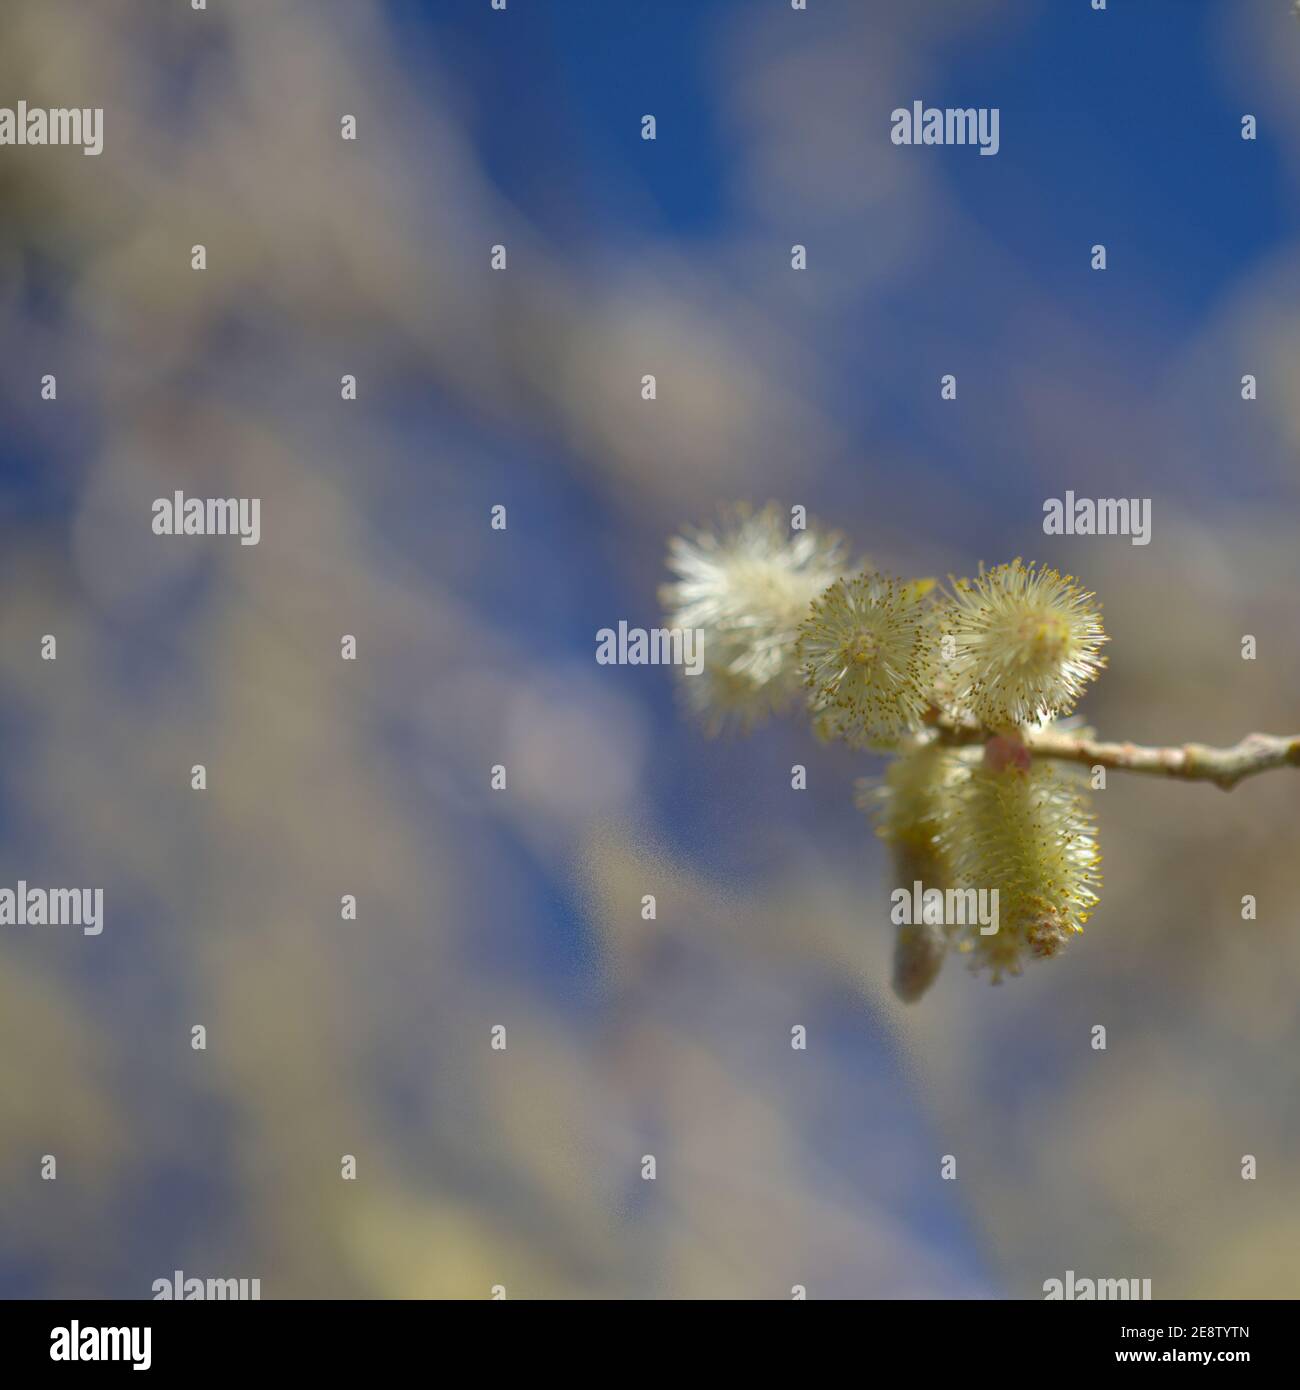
1031, 835
1023, 642
868, 654
909, 806
746, 586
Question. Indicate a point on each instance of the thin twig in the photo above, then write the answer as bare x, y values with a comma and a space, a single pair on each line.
1193, 762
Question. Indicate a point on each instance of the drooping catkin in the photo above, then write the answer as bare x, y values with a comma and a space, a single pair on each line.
909, 809
1030, 835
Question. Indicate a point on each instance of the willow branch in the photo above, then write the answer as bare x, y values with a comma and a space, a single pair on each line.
1192, 762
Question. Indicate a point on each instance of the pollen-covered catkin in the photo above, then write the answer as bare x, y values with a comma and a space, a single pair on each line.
909, 809
746, 587
908, 806
869, 652
959, 684
1029, 834
1024, 641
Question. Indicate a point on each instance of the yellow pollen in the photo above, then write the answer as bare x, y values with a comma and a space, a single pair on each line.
858, 650
1045, 634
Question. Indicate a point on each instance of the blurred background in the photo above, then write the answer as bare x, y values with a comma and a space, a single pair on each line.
476, 647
